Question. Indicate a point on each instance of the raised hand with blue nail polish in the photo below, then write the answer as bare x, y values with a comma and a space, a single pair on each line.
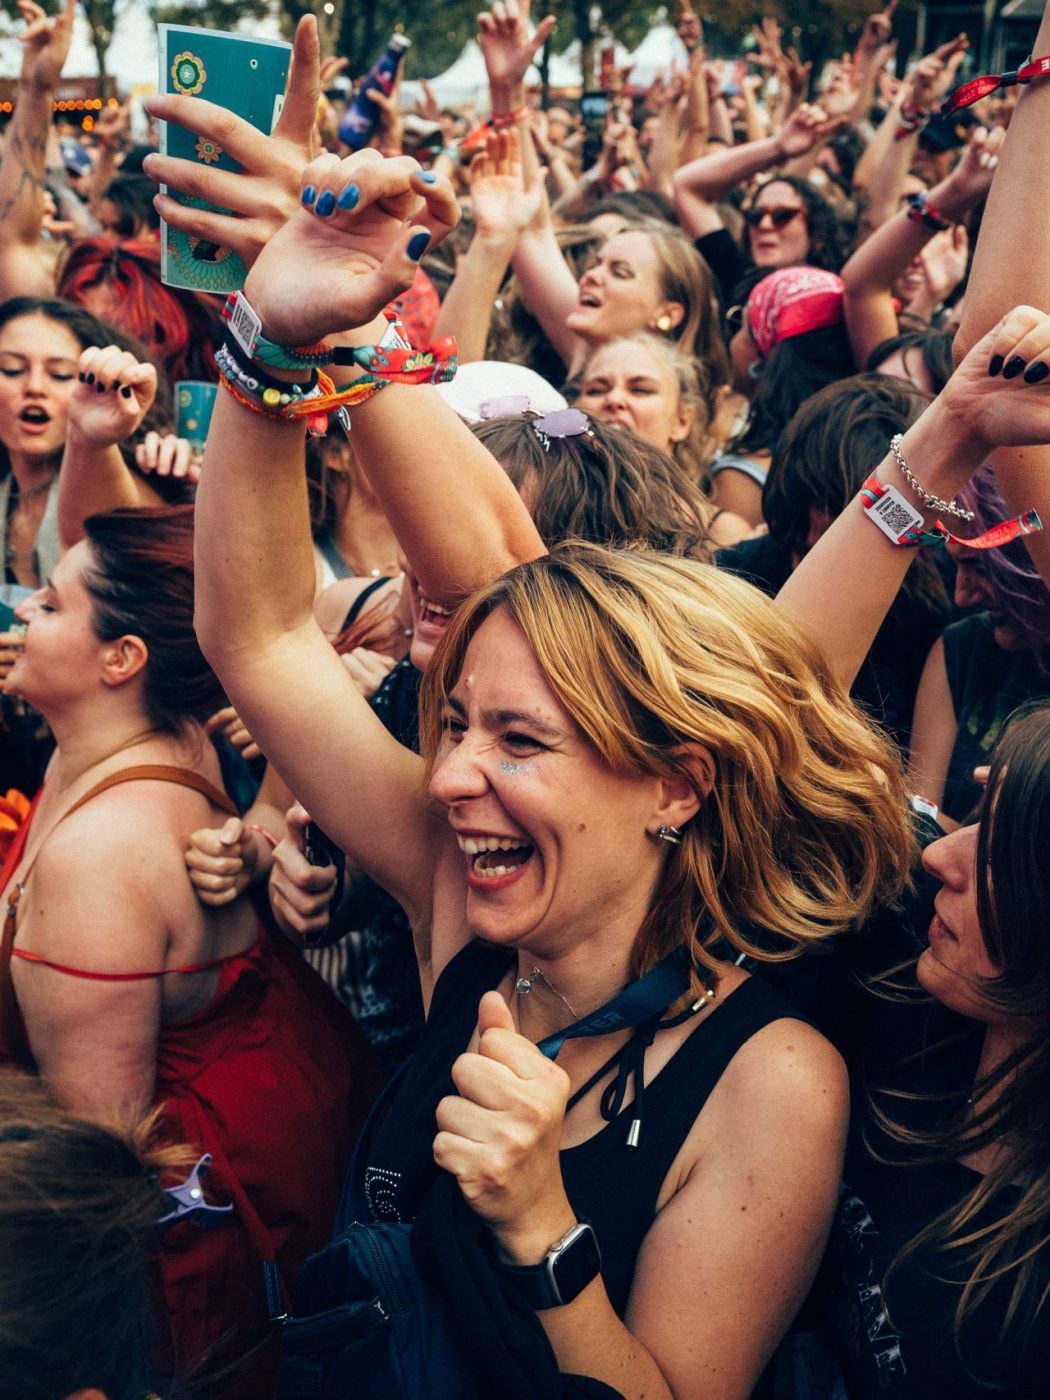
362, 225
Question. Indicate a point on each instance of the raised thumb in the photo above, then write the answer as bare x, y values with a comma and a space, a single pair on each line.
494, 1014
232, 832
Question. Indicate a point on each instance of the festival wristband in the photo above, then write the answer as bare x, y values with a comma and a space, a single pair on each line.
394, 359
900, 522
921, 211
977, 88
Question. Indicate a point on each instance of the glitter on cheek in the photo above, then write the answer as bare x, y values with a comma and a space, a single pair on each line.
516, 770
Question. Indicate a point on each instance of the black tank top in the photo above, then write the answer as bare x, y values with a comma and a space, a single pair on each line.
609, 1184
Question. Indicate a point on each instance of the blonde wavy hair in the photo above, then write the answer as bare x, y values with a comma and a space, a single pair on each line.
695, 390
805, 829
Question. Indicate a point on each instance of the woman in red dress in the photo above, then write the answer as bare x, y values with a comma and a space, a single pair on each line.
120, 988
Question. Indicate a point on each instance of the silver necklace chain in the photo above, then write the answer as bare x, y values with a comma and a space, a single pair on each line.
524, 985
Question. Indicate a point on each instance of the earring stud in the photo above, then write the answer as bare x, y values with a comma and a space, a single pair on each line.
664, 323
670, 834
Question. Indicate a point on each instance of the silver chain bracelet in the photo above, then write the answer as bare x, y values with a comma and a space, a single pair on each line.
930, 501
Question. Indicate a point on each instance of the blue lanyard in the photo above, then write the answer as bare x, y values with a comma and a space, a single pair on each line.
639, 1001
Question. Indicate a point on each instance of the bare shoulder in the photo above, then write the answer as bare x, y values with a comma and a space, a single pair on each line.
138, 827
787, 1076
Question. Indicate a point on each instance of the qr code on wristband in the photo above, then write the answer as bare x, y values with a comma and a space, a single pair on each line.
894, 515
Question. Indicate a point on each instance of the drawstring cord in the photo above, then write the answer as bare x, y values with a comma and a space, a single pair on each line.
630, 1060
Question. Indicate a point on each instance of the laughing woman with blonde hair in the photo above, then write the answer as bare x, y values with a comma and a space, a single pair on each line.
634, 770
592, 824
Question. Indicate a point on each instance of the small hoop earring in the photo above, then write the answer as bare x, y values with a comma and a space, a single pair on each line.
670, 834
754, 369
663, 324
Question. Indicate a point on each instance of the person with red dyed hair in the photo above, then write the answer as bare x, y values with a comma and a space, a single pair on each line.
120, 282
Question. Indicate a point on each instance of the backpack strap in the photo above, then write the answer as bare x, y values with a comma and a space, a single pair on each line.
353, 1203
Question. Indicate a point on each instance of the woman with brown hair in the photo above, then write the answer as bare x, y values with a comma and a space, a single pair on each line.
116, 985
77, 1188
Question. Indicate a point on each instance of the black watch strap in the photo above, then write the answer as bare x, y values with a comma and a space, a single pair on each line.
562, 1274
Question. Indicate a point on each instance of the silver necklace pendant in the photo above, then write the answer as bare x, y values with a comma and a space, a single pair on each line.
522, 987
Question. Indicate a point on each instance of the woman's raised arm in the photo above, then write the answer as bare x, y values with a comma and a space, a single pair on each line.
1012, 264
322, 272
114, 395
453, 510
24, 269
844, 586
871, 272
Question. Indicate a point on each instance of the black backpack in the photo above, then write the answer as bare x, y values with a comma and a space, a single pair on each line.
415, 1312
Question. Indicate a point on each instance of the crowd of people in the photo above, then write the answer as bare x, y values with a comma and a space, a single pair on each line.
595, 681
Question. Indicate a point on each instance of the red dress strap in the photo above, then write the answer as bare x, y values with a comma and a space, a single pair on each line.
12, 1025
123, 976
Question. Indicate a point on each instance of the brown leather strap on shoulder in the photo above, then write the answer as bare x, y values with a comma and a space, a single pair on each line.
159, 773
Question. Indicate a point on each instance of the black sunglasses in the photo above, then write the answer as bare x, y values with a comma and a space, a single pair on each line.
780, 217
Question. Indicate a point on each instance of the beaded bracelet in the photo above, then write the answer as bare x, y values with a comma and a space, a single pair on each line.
272, 398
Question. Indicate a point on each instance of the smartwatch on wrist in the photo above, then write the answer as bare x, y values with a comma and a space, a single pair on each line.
562, 1274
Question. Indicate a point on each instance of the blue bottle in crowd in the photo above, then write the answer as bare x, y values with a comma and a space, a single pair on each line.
360, 117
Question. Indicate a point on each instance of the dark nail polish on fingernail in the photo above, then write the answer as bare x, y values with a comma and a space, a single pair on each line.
82, 378
91, 379
1036, 371
1014, 367
325, 204
126, 391
100, 387
995, 364
428, 177
348, 198
417, 245
308, 195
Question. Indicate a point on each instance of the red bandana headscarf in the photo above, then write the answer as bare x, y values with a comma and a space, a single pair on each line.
790, 302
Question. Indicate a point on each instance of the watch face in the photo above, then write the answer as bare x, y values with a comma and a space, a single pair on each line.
576, 1265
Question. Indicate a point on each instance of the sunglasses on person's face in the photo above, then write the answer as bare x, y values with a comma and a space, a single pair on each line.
779, 217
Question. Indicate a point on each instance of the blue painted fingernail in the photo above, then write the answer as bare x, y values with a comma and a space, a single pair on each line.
428, 177
417, 245
91, 379
1037, 372
308, 196
995, 365
126, 391
1013, 367
349, 197
325, 204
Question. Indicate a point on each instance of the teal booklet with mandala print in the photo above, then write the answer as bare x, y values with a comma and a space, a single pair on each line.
246, 76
